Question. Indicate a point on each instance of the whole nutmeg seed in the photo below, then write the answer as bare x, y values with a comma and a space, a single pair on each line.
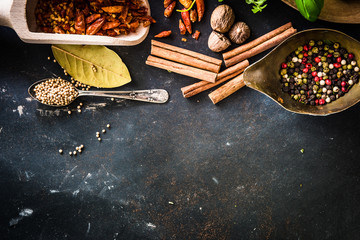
222, 18
218, 42
239, 32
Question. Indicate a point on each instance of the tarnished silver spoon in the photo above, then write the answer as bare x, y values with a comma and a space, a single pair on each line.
151, 95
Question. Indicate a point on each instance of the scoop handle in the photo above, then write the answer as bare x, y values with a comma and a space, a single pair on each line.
151, 95
5, 7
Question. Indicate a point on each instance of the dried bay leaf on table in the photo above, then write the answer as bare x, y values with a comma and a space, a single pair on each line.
96, 66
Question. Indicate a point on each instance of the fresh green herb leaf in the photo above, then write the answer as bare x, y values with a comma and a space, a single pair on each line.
185, 10
258, 5
310, 9
302, 150
328, 42
221, 1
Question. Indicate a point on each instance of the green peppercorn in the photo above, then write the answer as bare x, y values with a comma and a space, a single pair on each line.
311, 43
295, 74
336, 45
325, 70
313, 69
303, 97
315, 88
291, 64
323, 59
286, 84
331, 51
339, 74
349, 66
320, 43
299, 81
302, 92
283, 72
336, 54
315, 50
304, 75
305, 81
297, 52
344, 67
346, 55
325, 64
300, 48
296, 97
326, 47
300, 55
318, 95
325, 77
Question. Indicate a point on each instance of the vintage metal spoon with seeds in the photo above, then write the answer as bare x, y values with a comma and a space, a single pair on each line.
150, 95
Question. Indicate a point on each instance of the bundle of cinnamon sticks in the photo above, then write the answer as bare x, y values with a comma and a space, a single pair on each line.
207, 69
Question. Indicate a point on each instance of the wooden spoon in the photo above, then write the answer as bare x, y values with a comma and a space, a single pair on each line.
20, 15
264, 76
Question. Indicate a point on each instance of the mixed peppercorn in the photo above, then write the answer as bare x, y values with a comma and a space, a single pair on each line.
319, 72
91, 17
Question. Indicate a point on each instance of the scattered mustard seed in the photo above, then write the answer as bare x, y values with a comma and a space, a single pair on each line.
99, 139
79, 110
104, 131
108, 125
48, 58
60, 151
70, 153
69, 112
74, 152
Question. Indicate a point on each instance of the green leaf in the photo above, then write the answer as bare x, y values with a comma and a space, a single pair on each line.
257, 5
96, 66
310, 9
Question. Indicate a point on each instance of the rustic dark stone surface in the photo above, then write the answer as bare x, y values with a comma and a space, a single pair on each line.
232, 171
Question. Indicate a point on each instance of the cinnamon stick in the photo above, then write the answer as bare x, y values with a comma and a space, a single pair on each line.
261, 47
185, 59
187, 52
196, 88
181, 69
254, 43
227, 89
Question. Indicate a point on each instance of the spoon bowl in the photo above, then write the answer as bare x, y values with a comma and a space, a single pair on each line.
150, 95
264, 76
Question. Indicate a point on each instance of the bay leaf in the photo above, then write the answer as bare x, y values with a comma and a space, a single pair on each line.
96, 66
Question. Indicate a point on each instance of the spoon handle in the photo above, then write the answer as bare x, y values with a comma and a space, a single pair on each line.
151, 95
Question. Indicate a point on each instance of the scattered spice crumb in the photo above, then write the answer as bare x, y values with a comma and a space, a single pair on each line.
60, 151
302, 150
48, 58
104, 131
108, 125
300, 185
184, 39
171, 203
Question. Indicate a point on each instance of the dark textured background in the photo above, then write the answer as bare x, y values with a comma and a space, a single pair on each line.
233, 171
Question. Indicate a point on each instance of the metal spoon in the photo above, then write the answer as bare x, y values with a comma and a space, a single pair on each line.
151, 95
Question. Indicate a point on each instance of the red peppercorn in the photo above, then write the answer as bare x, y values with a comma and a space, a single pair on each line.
343, 83
305, 70
327, 82
317, 79
337, 65
329, 55
350, 56
343, 89
304, 60
306, 48
317, 101
338, 59
317, 59
314, 74
321, 101
283, 65
306, 54
308, 65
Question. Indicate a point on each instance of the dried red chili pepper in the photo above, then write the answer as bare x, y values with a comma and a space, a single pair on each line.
96, 26
182, 27
200, 6
193, 15
163, 34
186, 18
196, 35
170, 9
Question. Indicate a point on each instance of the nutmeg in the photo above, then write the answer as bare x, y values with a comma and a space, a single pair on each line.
239, 32
222, 18
218, 42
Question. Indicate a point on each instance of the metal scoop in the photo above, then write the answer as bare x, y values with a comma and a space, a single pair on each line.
151, 95
20, 15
